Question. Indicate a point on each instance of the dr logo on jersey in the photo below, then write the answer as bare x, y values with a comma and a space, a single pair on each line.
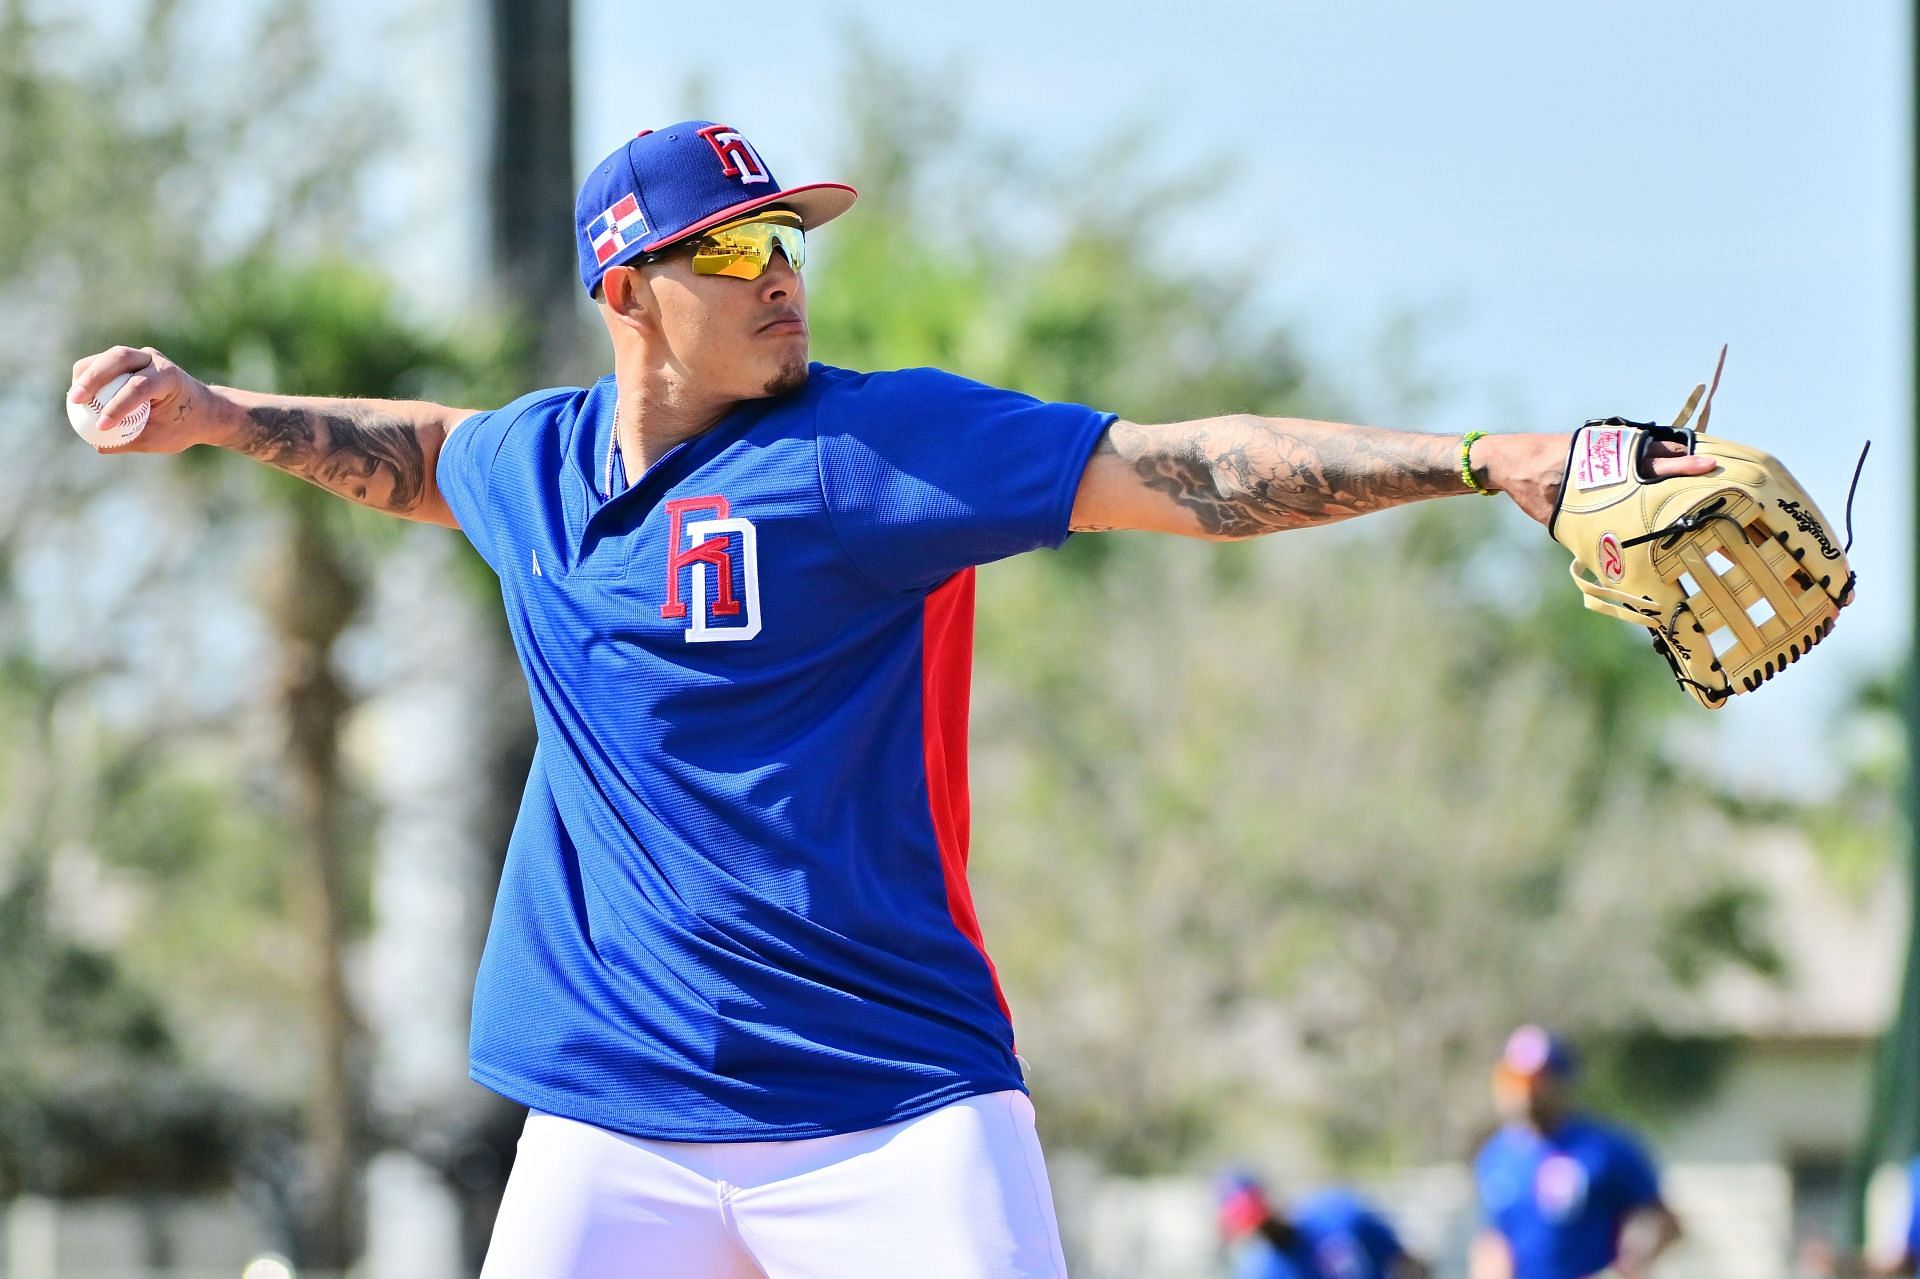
1560, 1187
694, 547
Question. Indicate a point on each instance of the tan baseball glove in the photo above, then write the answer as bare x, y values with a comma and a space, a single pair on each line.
1736, 572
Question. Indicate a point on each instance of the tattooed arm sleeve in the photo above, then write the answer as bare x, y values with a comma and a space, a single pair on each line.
377, 453
1235, 477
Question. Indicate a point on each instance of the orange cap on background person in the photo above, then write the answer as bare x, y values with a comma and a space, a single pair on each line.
1532, 1080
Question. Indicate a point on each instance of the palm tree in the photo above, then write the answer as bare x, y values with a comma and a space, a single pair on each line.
321, 329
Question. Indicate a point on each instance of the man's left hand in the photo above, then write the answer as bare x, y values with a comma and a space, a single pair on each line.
1531, 468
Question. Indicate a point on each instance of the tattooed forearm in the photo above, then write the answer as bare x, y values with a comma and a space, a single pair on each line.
1241, 476
358, 451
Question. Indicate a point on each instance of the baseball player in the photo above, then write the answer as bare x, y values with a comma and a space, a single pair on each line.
1564, 1196
1905, 1259
1901, 1258
734, 970
1330, 1234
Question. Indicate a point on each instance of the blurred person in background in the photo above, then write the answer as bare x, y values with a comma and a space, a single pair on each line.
1902, 1257
1332, 1234
1562, 1195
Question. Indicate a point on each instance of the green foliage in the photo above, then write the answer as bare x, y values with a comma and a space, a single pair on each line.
1057, 300
104, 1093
1725, 922
1218, 831
98, 1098
49, 119
78, 996
143, 860
328, 328
1645, 1075
1858, 823
200, 850
159, 820
1864, 826
1278, 833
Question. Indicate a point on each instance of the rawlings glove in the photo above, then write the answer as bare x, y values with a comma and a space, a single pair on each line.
1736, 572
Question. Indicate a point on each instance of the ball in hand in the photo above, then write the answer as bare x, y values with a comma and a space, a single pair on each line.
86, 417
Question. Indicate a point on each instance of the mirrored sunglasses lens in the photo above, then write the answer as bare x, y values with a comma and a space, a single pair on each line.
744, 251
793, 242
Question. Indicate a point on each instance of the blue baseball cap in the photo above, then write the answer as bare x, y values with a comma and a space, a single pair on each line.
667, 184
1533, 1051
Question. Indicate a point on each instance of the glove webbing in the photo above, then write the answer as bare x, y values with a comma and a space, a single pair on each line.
1762, 567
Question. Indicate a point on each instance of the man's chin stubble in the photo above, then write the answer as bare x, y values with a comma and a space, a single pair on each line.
791, 377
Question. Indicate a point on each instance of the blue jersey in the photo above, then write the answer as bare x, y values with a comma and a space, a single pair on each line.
1337, 1236
735, 906
1560, 1200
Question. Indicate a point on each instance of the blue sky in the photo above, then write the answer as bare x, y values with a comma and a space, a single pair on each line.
1579, 201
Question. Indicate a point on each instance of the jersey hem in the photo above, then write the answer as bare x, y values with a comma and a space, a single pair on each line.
568, 1106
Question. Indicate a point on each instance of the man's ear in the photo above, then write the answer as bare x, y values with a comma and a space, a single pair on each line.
627, 299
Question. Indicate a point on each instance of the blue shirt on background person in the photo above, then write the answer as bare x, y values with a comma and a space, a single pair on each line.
1560, 1199
1339, 1237
1911, 1261
1332, 1234
1558, 1189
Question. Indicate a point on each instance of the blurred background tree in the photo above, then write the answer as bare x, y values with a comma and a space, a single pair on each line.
323, 328
186, 858
1280, 835
1244, 814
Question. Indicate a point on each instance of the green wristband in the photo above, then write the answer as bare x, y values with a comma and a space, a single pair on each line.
1466, 467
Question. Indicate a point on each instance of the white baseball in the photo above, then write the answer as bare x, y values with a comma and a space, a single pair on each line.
86, 417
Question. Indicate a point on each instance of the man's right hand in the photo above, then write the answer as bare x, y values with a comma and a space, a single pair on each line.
185, 411
379, 454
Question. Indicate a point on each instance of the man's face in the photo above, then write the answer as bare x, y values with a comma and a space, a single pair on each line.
733, 339
1539, 1099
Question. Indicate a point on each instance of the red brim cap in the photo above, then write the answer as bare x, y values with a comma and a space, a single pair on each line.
662, 186
816, 203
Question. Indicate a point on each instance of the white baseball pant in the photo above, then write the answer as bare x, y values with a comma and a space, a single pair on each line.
959, 1193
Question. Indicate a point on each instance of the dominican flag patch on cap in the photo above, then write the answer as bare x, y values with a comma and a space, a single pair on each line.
619, 226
